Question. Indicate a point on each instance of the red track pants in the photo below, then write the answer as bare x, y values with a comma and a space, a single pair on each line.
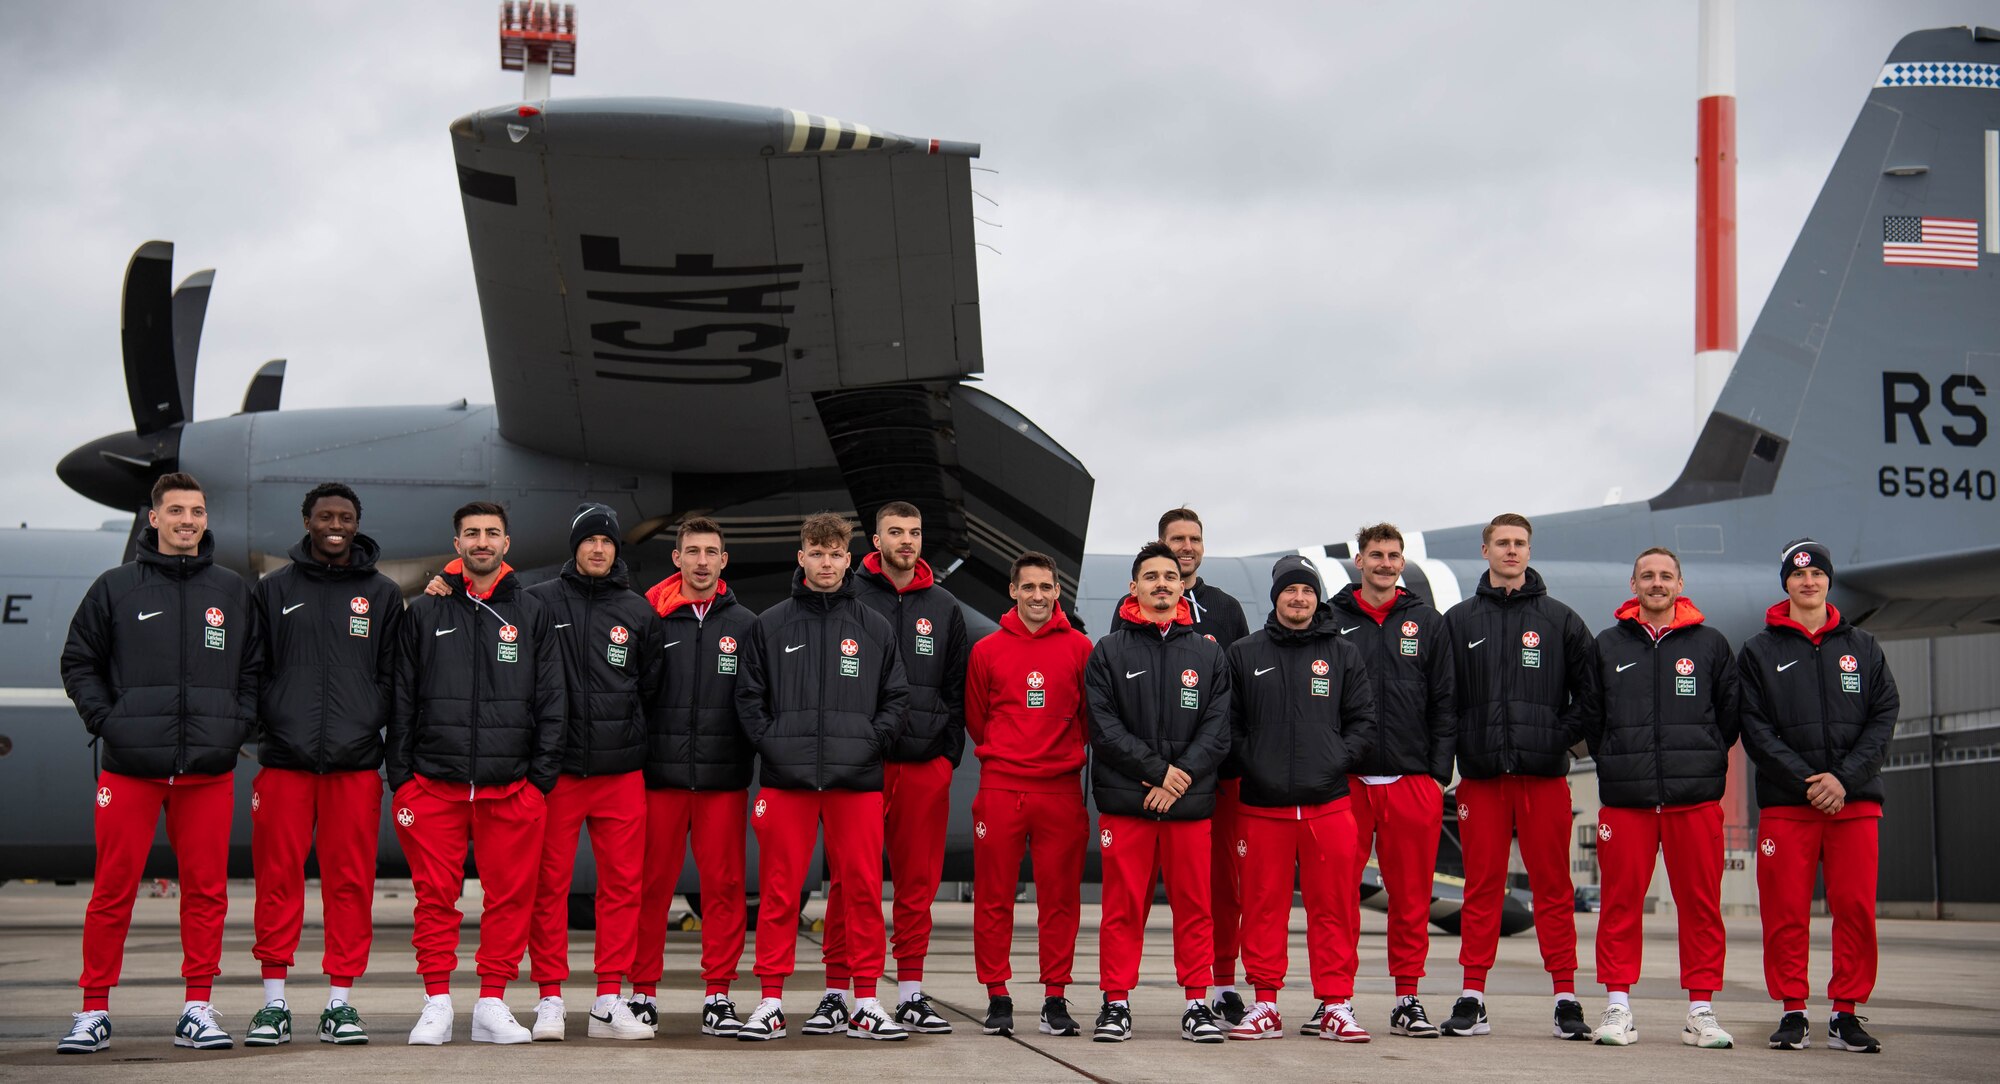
1490, 813
337, 815
714, 823
435, 822
1400, 822
1006, 824
787, 821
1793, 843
614, 806
199, 809
1136, 851
916, 808
1321, 851
1627, 840
1225, 881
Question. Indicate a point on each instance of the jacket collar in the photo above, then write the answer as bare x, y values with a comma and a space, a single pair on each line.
1057, 622
174, 564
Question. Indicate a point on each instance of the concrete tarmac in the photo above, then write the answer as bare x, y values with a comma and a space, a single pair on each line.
1934, 1011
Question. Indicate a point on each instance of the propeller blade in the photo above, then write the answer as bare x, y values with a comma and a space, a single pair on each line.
189, 308
152, 382
265, 388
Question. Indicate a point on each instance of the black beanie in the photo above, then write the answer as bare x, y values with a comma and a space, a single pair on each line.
1291, 569
592, 518
1804, 553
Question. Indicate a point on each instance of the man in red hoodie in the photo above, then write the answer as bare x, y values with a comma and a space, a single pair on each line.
1025, 713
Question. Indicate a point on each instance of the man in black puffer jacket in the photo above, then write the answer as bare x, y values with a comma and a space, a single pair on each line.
331, 628
162, 661
1523, 662
475, 741
1819, 708
896, 582
1660, 730
821, 696
1302, 715
1159, 729
698, 770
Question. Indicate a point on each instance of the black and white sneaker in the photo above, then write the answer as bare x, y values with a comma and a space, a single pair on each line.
1230, 1007
1794, 1032
767, 1021
1844, 1032
89, 1032
871, 1022
718, 1018
1569, 1022
830, 1018
1114, 1024
1408, 1019
1311, 1028
1198, 1025
196, 1028
1056, 1019
917, 1015
1468, 1017
646, 1012
1000, 1015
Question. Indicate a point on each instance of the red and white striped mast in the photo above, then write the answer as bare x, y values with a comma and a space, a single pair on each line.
1715, 207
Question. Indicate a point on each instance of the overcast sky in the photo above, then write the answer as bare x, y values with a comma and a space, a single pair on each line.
1312, 265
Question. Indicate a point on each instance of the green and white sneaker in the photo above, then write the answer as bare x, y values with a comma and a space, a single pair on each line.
271, 1026
342, 1025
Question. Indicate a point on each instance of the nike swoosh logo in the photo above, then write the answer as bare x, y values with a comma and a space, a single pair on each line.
675, 642
445, 632
292, 607
1627, 666
1130, 674
1788, 666
1268, 669
606, 1017
1349, 629
1476, 643
565, 624
150, 616
793, 648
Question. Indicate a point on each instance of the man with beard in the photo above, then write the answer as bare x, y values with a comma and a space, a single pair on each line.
475, 742
331, 624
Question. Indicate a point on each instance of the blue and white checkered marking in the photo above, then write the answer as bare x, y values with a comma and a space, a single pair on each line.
1943, 73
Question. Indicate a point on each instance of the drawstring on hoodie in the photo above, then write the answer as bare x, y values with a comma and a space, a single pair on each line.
1195, 605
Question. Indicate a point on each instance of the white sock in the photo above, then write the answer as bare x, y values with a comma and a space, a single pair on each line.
1560, 998
439, 999
907, 990
1227, 988
1619, 997
186, 1005
1699, 1006
643, 999
337, 996
869, 1003
1407, 999
1476, 995
1124, 1004
709, 1000
774, 1001
838, 990
274, 990
1194, 1003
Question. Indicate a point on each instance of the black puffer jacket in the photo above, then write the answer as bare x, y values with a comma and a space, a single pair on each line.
330, 638
1665, 716
1302, 711
1525, 677
1156, 701
822, 692
610, 643
694, 739
163, 662
1812, 707
930, 630
1409, 662
1219, 617
479, 689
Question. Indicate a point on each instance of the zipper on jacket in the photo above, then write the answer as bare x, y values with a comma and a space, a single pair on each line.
181, 722
1659, 729
694, 695
1508, 642
321, 705
589, 597
1825, 727
472, 716
819, 729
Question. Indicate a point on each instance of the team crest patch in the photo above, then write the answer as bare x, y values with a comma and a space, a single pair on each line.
1321, 667
1190, 679
1409, 628
849, 665
1684, 685
1190, 696
1849, 664
357, 626
508, 634
1684, 667
103, 797
1464, 811
619, 634
923, 626
1210, 638
1104, 838
256, 801
760, 808
979, 829
726, 645
1850, 682
1242, 848
509, 650
1531, 638
358, 604
1799, 560
214, 617
725, 662
1604, 832
405, 818
1037, 696
1768, 848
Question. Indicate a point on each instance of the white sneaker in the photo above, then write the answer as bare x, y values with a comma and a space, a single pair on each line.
611, 1018
871, 1021
89, 1033
1705, 1032
550, 1020
434, 1024
1615, 1027
493, 1022
197, 1028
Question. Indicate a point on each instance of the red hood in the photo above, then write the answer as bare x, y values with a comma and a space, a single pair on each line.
1779, 616
1058, 622
1685, 613
1382, 614
457, 568
666, 595
919, 580
1128, 610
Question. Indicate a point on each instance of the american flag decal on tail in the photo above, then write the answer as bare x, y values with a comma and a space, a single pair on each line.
1912, 241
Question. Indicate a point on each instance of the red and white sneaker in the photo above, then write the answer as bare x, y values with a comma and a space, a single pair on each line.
1261, 1022
1340, 1025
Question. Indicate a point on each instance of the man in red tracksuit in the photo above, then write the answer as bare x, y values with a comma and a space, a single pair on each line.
162, 661
1024, 711
1159, 728
1302, 715
331, 626
475, 742
897, 583
1819, 708
1660, 732
698, 770
821, 696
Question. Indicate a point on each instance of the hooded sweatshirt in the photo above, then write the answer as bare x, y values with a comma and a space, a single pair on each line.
1024, 705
